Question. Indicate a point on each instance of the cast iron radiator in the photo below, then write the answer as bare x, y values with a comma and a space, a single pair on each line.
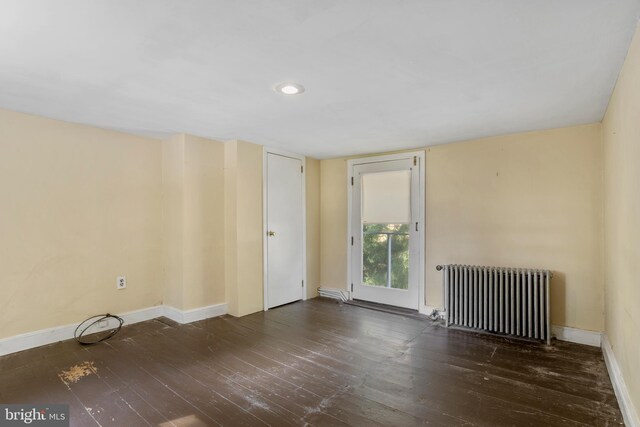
512, 301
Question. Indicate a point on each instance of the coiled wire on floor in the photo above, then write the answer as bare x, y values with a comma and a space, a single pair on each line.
85, 335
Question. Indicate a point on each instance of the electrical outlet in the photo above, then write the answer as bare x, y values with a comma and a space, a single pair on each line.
121, 282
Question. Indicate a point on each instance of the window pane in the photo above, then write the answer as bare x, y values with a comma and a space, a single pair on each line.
374, 257
383, 243
400, 261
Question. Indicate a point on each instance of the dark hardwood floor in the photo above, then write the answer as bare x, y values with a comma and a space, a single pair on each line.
314, 363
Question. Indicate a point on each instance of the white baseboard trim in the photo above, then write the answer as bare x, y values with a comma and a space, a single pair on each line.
195, 314
60, 333
142, 315
579, 336
629, 412
35, 339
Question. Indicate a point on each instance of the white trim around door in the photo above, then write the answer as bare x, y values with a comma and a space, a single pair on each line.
419, 158
265, 281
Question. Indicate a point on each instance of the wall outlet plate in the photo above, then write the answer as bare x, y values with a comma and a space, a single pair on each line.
121, 282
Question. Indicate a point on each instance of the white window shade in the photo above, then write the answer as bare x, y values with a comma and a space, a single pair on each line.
386, 197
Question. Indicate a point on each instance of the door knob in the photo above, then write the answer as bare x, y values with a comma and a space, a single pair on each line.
271, 233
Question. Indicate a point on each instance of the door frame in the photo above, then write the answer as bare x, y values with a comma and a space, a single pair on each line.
422, 307
265, 254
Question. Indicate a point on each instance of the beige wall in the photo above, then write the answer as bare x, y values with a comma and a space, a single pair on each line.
526, 200
621, 135
80, 206
231, 226
181, 218
193, 221
173, 219
243, 227
333, 223
204, 222
312, 190
249, 222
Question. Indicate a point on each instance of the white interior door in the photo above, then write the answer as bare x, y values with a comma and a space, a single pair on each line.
386, 227
284, 230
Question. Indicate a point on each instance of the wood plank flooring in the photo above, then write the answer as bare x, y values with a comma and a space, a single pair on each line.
319, 363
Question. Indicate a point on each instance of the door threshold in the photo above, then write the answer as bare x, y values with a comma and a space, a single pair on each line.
392, 309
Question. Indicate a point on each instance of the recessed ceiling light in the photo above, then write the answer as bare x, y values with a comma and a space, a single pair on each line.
289, 88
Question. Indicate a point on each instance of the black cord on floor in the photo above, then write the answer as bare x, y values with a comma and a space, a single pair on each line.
93, 320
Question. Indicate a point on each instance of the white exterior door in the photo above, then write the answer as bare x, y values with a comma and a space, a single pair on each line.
386, 230
284, 230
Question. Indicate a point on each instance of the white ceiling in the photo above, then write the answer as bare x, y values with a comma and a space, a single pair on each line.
379, 75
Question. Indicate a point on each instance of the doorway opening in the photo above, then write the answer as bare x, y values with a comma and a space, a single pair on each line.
386, 235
